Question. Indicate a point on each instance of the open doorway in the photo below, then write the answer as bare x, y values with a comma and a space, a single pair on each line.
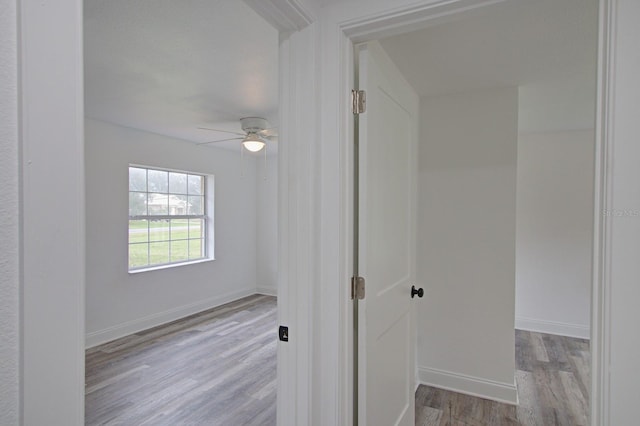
496, 84
180, 292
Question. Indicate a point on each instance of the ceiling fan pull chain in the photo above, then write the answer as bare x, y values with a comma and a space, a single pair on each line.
265, 163
241, 161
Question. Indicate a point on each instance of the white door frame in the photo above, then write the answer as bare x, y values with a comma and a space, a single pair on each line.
52, 235
344, 25
52, 208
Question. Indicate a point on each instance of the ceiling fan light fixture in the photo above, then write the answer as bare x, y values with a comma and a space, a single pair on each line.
253, 143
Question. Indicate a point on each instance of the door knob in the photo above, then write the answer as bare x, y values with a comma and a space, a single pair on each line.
418, 291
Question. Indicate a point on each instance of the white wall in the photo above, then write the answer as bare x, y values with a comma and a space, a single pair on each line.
267, 224
466, 242
118, 303
554, 232
9, 244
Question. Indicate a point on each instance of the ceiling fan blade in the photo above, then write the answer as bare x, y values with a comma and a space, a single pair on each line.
223, 131
220, 140
270, 132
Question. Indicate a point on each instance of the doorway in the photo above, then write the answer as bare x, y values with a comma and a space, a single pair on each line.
181, 104
473, 174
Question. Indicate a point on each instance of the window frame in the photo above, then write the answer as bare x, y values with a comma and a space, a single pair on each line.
206, 227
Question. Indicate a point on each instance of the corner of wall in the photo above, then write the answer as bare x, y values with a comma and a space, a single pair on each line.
469, 385
466, 242
553, 327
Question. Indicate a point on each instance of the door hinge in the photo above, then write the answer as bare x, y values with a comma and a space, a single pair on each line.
358, 101
357, 288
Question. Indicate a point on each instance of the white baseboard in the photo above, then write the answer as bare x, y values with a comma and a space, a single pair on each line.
469, 385
269, 291
553, 327
99, 337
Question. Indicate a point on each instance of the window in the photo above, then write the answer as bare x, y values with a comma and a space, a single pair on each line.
167, 217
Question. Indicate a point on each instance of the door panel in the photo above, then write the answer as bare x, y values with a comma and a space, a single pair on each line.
386, 258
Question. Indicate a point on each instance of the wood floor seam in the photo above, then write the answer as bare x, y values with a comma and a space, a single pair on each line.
217, 367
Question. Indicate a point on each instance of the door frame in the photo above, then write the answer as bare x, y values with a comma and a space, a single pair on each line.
345, 25
51, 155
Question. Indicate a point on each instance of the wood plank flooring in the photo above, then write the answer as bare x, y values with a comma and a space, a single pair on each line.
553, 378
217, 367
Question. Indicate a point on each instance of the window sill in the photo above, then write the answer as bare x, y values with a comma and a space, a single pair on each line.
170, 266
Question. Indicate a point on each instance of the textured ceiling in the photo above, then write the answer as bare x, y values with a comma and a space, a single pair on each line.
546, 47
168, 66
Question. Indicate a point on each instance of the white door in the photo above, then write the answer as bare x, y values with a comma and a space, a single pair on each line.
386, 254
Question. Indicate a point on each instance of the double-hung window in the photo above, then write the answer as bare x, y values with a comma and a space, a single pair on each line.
167, 217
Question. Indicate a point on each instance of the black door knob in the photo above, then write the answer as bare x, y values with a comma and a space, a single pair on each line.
418, 291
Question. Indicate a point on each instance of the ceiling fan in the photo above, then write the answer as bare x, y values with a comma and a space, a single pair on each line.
256, 132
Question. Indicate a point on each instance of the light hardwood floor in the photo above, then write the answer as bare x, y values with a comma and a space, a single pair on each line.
553, 376
217, 367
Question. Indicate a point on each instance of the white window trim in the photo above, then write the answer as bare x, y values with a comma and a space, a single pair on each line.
207, 217
170, 265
